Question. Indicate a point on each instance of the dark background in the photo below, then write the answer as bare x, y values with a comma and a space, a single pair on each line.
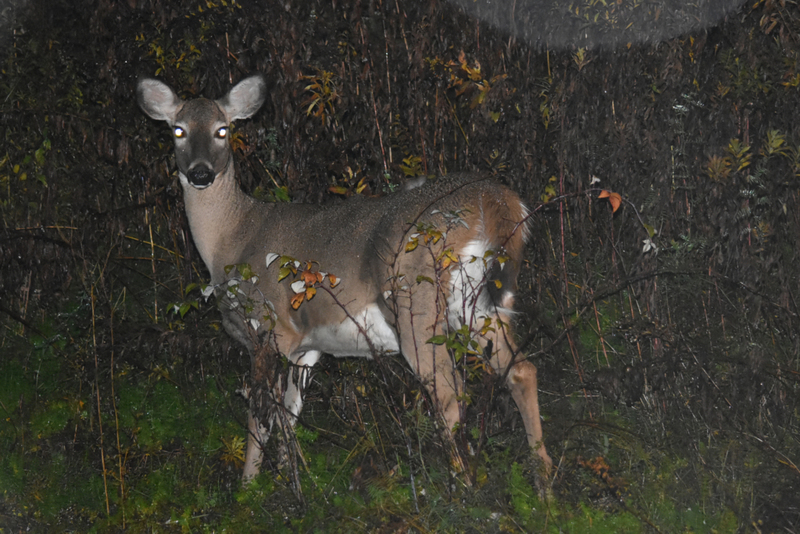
665, 332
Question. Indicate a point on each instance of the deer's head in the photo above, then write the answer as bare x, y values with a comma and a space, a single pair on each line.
200, 127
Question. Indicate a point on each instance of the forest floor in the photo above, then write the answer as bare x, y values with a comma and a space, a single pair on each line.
657, 146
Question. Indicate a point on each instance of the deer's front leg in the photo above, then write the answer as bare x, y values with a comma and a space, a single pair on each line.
265, 390
264, 407
257, 435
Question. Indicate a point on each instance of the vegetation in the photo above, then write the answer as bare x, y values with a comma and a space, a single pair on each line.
661, 314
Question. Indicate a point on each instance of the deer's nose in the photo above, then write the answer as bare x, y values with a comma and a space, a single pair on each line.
201, 176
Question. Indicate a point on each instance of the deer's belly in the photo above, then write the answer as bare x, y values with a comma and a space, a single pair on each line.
348, 337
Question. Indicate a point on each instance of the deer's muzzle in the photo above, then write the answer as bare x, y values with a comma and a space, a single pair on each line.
201, 176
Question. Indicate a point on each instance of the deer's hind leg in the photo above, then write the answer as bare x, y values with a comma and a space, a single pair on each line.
521, 382
418, 318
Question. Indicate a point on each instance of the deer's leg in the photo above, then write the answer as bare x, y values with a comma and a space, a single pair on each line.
256, 435
417, 320
299, 375
257, 432
521, 381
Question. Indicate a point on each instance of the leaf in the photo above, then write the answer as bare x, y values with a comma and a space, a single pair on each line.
281, 194
448, 257
487, 326
437, 340
297, 300
245, 270
283, 273
613, 198
298, 286
423, 278
549, 193
271, 257
333, 280
310, 278
310, 292
412, 244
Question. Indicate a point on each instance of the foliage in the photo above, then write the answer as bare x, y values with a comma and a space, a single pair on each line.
664, 325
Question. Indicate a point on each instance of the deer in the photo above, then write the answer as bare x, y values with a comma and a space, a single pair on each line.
394, 272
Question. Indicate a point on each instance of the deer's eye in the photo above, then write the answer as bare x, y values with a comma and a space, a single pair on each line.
179, 132
222, 133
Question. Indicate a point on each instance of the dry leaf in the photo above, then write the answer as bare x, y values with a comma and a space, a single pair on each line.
613, 198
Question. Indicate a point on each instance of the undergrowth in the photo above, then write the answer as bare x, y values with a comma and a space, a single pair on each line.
662, 317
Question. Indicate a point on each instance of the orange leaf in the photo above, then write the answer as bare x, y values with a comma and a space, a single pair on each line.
310, 292
297, 300
616, 200
333, 280
613, 198
309, 278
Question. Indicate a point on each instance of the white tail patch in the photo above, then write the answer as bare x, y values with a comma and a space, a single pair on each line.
469, 300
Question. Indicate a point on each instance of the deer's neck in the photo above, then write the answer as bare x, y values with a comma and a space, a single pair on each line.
222, 220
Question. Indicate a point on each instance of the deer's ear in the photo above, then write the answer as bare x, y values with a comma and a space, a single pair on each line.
157, 99
245, 98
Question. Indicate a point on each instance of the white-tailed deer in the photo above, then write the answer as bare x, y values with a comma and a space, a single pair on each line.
412, 266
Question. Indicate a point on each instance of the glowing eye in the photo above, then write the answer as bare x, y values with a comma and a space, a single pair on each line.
222, 132
179, 132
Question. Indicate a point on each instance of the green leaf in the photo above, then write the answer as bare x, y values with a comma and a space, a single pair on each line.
283, 273
281, 194
245, 270
437, 340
